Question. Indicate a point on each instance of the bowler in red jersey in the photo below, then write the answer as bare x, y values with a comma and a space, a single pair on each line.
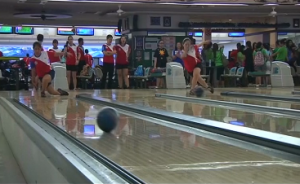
123, 50
34, 78
193, 65
108, 62
55, 49
72, 61
44, 71
81, 59
88, 58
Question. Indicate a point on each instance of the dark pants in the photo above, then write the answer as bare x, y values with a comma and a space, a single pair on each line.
107, 68
80, 66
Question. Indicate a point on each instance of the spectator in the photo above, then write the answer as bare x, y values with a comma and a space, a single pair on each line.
240, 56
260, 56
249, 65
282, 53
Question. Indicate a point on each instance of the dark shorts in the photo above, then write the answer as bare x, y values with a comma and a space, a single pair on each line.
51, 73
161, 65
261, 68
121, 66
72, 68
198, 65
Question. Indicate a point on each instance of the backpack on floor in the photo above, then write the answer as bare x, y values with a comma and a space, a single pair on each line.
139, 71
259, 59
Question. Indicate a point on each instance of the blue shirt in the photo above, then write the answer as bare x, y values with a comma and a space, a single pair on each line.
178, 59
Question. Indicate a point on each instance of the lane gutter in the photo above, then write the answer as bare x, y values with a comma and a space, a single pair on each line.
260, 96
130, 178
280, 142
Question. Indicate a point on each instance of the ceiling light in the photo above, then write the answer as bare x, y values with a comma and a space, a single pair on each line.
271, 4
204, 4
131, 2
107, 2
55, 26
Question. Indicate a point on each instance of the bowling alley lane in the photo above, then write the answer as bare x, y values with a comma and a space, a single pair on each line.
158, 154
238, 117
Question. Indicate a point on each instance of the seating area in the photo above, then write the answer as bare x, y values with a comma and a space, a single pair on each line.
234, 77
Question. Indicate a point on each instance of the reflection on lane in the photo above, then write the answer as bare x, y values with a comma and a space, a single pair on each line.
239, 117
158, 154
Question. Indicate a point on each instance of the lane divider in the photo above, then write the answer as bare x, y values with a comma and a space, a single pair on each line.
261, 96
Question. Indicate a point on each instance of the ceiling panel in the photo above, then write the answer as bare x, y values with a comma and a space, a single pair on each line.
89, 13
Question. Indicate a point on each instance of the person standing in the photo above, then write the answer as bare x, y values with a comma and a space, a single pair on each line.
123, 50
34, 78
71, 61
177, 58
260, 56
282, 53
108, 62
55, 49
88, 58
160, 61
80, 50
218, 59
249, 65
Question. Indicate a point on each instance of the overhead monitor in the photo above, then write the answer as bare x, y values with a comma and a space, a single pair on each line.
85, 31
282, 33
6, 30
65, 31
117, 33
198, 34
24, 30
236, 34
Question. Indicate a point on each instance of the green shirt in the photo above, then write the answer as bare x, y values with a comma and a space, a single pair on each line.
209, 55
219, 57
240, 58
282, 53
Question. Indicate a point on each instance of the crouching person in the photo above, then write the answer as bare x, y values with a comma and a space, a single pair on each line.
44, 71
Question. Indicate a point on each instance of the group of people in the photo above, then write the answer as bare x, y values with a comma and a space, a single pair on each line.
41, 71
257, 57
77, 60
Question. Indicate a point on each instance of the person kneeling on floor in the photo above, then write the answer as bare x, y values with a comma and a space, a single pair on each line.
43, 69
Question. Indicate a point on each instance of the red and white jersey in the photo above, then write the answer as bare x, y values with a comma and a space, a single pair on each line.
42, 62
57, 57
80, 50
56, 50
88, 60
122, 53
191, 60
108, 59
71, 59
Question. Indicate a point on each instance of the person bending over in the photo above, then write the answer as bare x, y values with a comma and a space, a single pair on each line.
192, 64
44, 71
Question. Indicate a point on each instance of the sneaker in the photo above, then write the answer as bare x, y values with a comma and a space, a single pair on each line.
192, 92
211, 89
43, 94
62, 92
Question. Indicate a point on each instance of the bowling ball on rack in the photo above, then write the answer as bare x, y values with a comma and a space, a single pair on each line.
107, 119
199, 91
